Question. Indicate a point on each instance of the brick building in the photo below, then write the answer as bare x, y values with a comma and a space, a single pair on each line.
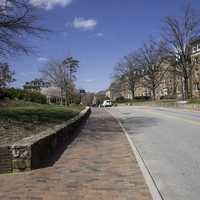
52, 93
171, 85
196, 71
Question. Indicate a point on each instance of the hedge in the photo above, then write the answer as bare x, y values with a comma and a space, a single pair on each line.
20, 94
122, 100
135, 99
142, 98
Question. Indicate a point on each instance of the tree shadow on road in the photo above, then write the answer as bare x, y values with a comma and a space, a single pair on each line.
134, 124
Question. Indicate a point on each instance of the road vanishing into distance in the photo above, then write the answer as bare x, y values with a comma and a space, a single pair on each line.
169, 142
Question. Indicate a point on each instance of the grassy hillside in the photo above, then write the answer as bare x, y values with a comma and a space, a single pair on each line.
19, 119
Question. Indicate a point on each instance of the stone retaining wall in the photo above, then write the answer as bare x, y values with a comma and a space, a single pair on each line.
29, 153
5, 159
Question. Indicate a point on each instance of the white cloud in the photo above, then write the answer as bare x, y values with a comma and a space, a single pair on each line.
99, 34
42, 59
49, 4
2, 2
85, 24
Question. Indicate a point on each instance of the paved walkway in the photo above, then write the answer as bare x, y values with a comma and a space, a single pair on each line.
98, 165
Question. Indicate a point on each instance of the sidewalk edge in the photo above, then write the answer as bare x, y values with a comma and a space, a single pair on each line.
155, 193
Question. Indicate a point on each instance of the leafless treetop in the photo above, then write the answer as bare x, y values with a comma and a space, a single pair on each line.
18, 21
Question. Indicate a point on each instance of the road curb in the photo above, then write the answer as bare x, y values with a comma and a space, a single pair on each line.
156, 194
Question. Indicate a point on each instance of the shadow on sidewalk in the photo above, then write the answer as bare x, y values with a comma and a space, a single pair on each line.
103, 125
54, 157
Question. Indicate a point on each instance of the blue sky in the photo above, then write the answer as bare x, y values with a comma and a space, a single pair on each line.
97, 32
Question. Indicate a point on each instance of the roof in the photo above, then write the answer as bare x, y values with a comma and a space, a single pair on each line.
195, 40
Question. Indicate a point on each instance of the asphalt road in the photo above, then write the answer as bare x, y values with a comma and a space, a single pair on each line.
169, 142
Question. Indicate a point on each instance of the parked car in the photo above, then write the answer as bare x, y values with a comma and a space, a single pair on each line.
107, 103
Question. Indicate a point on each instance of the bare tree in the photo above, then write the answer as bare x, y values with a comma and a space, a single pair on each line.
71, 65
57, 75
87, 98
128, 70
60, 74
178, 34
6, 75
115, 88
17, 22
152, 59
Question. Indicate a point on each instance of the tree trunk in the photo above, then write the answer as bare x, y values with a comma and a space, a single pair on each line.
182, 89
154, 94
174, 84
186, 87
191, 86
133, 93
66, 97
131, 84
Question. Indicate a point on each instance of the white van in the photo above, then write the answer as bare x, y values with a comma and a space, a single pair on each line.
107, 103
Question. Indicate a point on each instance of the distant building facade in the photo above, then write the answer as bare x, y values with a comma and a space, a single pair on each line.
172, 84
52, 93
36, 85
118, 89
196, 71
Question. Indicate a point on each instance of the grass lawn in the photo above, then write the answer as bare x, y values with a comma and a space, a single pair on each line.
19, 119
194, 101
141, 102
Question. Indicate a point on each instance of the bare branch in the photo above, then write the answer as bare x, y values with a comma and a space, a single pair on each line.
152, 58
17, 20
128, 70
179, 32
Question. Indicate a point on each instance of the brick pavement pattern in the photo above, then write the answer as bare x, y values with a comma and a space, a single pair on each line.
98, 165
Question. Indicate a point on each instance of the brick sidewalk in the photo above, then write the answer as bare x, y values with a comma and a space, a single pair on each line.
98, 165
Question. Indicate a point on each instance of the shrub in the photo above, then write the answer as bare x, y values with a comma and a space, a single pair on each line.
122, 100
168, 97
77, 99
142, 98
2, 94
20, 94
34, 97
194, 101
11, 93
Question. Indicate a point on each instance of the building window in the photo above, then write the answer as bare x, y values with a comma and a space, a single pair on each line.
198, 47
196, 60
194, 49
